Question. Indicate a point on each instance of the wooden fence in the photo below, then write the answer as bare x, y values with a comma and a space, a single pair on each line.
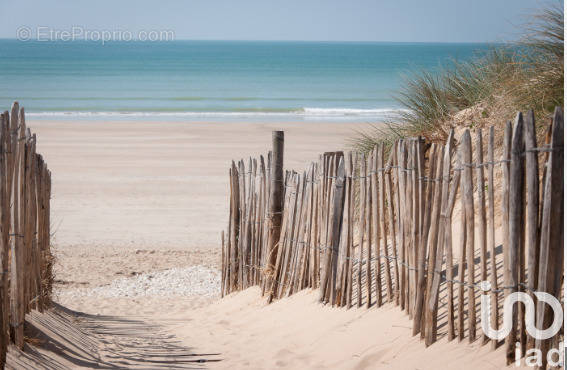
25, 191
416, 228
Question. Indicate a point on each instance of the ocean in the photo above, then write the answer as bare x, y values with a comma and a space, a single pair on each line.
215, 80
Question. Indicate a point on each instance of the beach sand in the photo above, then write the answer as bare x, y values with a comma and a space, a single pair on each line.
135, 197
141, 202
159, 184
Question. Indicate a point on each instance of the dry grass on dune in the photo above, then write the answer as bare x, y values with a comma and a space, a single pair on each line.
487, 91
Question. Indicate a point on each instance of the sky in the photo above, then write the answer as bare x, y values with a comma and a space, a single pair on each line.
308, 20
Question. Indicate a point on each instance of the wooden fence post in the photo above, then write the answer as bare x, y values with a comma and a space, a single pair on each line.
361, 225
436, 242
403, 219
462, 245
350, 234
425, 200
481, 212
235, 231
4, 246
491, 232
369, 201
315, 228
276, 200
223, 265
376, 222
516, 227
532, 216
467, 194
505, 167
17, 268
415, 217
336, 228
306, 242
551, 243
380, 172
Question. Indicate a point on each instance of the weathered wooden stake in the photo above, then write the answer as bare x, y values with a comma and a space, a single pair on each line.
491, 239
532, 216
551, 242
276, 201
515, 228
337, 224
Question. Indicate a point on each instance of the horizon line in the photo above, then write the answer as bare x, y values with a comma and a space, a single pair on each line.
265, 40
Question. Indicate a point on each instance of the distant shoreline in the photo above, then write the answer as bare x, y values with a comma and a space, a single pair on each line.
370, 42
301, 115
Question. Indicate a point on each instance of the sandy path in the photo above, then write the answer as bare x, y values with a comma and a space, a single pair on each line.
299, 333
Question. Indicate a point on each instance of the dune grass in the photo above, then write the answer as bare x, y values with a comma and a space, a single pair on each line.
527, 74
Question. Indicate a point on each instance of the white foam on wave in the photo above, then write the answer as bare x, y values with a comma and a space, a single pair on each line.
316, 113
154, 114
349, 112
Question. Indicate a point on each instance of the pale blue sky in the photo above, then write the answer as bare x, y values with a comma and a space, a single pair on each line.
337, 20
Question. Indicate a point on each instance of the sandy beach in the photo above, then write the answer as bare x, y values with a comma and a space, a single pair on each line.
137, 210
133, 198
159, 184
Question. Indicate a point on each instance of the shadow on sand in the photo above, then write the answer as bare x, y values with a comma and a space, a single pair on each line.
63, 339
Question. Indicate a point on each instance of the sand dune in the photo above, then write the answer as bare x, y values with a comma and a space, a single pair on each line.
298, 332
241, 331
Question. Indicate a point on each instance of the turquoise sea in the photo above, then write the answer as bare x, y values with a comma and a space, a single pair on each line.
215, 80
